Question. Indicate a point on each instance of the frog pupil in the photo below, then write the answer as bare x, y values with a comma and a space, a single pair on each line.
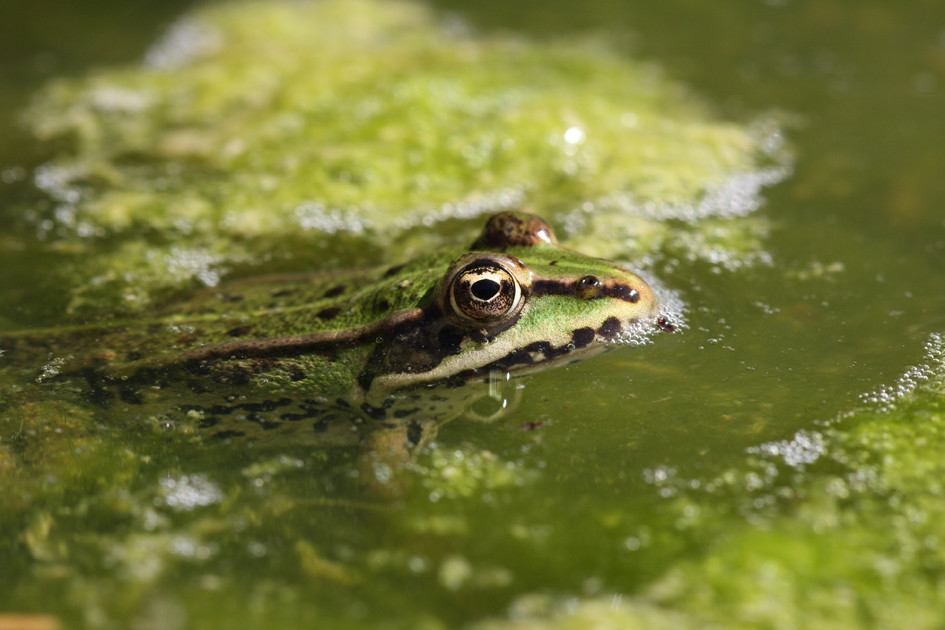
485, 289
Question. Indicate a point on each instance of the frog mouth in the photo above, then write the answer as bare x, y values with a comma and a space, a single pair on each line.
541, 362
583, 343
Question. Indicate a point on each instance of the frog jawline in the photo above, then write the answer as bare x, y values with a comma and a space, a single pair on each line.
575, 356
383, 385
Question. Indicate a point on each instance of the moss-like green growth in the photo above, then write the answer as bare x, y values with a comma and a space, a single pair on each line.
845, 525
841, 528
261, 131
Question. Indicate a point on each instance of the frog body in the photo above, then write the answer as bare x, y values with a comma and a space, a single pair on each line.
365, 342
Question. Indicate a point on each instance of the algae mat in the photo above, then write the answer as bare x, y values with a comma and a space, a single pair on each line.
346, 133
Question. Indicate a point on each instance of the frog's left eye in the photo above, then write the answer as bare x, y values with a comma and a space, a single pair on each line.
484, 291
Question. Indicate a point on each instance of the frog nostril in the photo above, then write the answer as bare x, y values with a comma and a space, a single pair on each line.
588, 287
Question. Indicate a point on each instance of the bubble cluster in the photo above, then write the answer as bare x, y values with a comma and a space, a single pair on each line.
672, 315
188, 492
805, 447
737, 196
184, 41
928, 376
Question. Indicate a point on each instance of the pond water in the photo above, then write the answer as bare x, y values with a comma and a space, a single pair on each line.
774, 464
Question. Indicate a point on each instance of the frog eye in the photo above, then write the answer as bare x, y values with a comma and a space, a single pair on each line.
484, 291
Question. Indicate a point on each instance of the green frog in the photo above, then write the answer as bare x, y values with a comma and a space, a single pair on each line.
395, 347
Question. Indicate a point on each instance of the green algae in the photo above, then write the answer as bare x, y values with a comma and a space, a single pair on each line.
254, 133
838, 528
842, 527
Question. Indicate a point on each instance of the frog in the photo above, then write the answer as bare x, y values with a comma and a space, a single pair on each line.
394, 350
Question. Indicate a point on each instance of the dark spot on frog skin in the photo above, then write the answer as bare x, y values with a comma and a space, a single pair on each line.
450, 339
328, 314
295, 373
238, 375
223, 435
309, 409
383, 305
543, 348
218, 409
459, 379
231, 298
516, 357
610, 328
294, 417
414, 433
262, 421
365, 379
393, 271
553, 263
375, 413
283, 292
531, 426
335, 291
266, 405
623, 292
239, 331
537, 351
480, 336
197, 387
100, 397
582, 337
131, 396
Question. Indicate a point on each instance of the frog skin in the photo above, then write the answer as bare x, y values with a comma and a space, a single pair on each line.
363, 343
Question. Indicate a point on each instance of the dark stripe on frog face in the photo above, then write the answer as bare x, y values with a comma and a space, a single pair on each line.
579, 289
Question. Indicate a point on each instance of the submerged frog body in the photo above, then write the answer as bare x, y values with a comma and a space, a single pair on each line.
364, 344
